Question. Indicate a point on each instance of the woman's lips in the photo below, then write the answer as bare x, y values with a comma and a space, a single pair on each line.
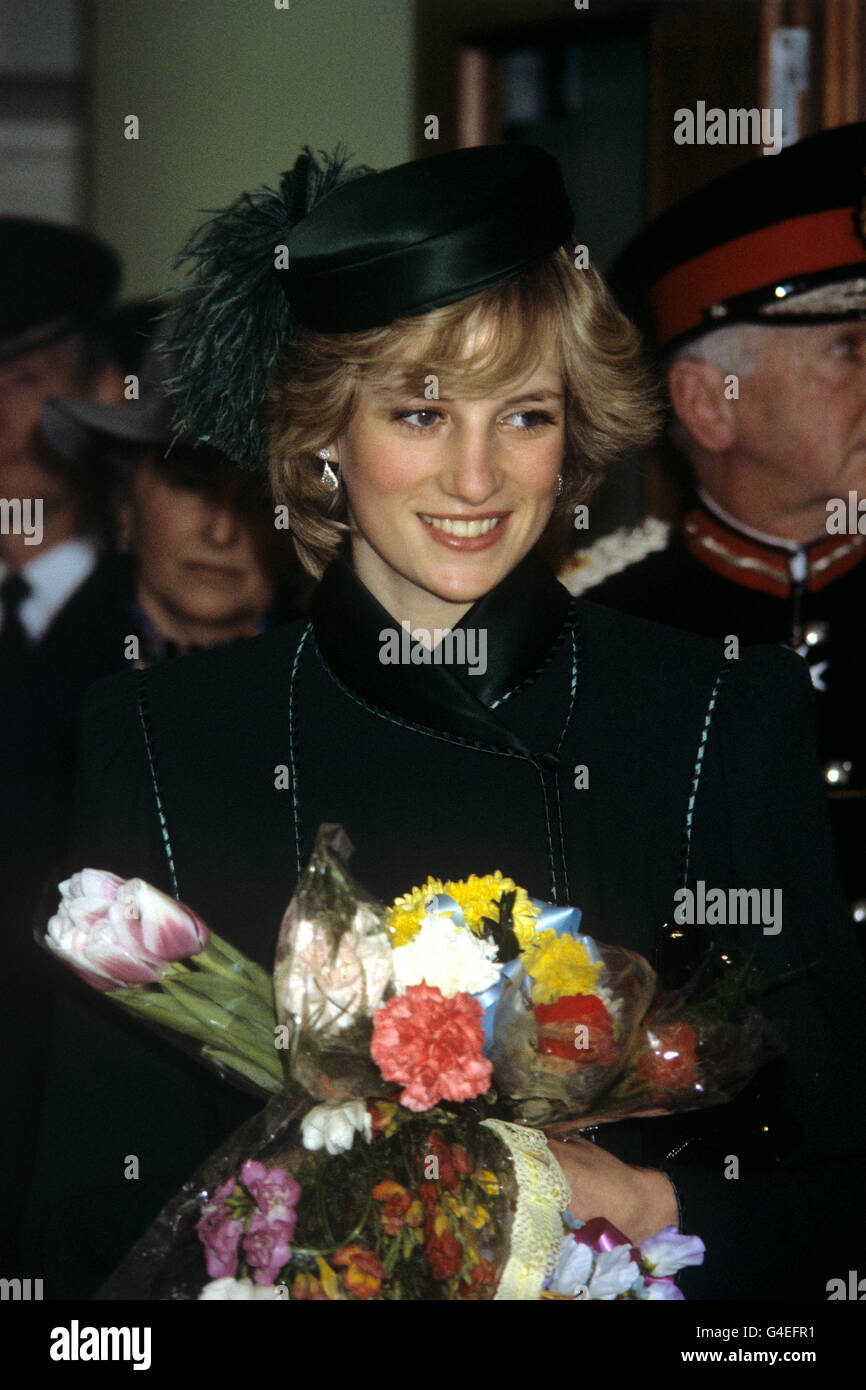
218, 574
468, 533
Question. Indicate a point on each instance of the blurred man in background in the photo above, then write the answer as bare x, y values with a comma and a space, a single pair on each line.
55, 284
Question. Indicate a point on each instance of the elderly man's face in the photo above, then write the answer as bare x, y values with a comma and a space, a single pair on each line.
25, 385
801, 417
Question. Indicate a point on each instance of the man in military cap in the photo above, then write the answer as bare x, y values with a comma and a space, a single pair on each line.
753, 290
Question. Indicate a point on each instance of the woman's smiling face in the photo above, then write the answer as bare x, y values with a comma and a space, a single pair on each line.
446, 496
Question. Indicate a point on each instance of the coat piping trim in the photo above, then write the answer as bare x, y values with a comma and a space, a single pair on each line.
696, 776
144, 719
293, 749
567, 627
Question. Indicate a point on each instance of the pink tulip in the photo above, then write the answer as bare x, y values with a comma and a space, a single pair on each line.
114, 932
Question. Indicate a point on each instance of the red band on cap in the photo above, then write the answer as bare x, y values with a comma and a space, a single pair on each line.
800, 246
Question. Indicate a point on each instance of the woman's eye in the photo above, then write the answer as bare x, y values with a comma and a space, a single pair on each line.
531, 419
420, 420
191, 482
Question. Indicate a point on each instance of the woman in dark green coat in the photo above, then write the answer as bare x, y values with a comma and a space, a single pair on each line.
449, 388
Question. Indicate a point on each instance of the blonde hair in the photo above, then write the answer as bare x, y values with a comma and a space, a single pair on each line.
612, 403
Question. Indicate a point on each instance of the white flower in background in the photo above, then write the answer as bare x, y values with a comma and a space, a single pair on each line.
237, 1290
446, 957
333, 1126
330, 989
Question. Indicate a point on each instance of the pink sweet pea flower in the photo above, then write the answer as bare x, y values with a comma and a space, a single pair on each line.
668, 1252
666, 1289
267, 1246
274, 1192
220, 1235
115, 933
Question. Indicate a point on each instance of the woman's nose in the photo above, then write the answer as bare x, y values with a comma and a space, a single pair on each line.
471, 470
221, 524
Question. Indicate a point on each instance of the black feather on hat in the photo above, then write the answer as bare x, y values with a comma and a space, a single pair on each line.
234, 316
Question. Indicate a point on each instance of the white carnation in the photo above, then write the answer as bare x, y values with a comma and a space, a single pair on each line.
237, 1290
446, 957
333, 1126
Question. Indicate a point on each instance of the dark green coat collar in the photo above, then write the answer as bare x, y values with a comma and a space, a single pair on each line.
525, 619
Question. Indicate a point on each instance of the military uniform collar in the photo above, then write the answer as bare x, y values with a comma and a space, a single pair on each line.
767, 563
519, 625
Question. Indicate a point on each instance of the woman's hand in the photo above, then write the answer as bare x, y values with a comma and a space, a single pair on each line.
638, 1201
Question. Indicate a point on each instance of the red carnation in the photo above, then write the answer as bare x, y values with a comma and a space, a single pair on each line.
432, 1045
558, 1024
668, 1060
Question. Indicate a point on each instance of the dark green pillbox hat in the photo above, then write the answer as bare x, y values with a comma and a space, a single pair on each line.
398, 243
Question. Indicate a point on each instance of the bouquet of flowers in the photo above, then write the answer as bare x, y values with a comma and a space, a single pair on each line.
406, 1054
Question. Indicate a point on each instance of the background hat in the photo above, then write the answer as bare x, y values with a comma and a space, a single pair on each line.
780, 240
363, 249
409, 239
69, 425
53, 281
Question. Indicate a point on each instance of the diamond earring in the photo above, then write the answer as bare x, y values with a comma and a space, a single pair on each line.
560, 485
329, 477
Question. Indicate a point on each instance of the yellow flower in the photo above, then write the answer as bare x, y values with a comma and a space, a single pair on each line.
329, 1279
477, 1216
405, 915
479, 897
487, 1181
383, 1114
559, 965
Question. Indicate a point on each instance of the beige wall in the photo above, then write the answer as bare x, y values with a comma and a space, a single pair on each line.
227, 92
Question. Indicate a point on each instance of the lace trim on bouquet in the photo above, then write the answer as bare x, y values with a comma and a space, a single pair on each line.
542, 1195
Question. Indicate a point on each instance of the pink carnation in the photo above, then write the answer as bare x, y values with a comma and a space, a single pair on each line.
432, 1045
